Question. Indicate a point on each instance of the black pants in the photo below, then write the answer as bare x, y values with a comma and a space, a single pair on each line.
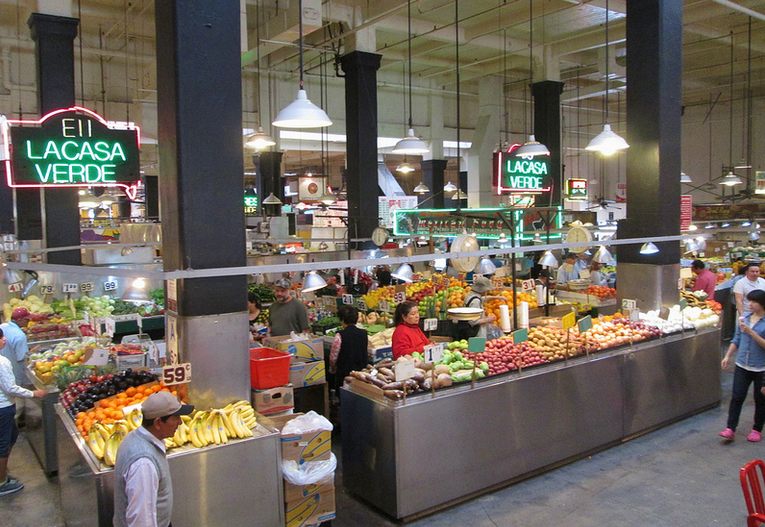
741, 380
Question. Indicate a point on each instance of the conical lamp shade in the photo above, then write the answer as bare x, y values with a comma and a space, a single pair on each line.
603, 256
532, 148
649, 248
302, 113
404, 272
411, 144
272, 200
607, 142
313, 281
730, 180
260, 140
450, 187
485, 266
422, 188
685, 178
548, 260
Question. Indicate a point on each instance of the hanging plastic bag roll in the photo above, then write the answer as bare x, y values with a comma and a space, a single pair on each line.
541, 295
504, 318
523, 315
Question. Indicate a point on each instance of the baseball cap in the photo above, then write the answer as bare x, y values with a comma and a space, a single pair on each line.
163, 404
284, 283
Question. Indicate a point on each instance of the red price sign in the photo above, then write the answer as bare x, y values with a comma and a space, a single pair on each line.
176, 374
528, 285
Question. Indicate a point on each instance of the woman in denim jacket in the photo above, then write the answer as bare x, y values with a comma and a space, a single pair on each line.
748, 345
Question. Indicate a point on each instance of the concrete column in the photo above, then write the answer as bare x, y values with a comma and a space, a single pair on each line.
547, 131
361, 147
485, 141
200, 153
654, 34
54, 51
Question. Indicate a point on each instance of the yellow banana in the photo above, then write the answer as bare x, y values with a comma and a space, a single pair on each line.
121, 426
96, 444
184, 433
247, 411
112, 445
221, 427
242, 431
169, 442
226, 419
135, 418
196, 440
251, 422
103, 430
213, 429
186, 419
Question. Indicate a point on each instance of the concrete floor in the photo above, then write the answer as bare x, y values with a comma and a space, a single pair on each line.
679, 475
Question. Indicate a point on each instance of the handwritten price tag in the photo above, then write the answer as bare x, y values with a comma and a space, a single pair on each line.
528, 285
348, 300
70, 288
87, 287
46, 289
384, 305
110, 285
399, 297
15, 288
176, 374
430, 324
628, 303
405, 370
433, 352
361, 304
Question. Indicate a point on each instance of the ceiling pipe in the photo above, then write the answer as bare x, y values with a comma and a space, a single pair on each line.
741, 9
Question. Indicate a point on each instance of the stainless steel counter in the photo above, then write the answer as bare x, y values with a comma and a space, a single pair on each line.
395, 456
235, 484
40, 425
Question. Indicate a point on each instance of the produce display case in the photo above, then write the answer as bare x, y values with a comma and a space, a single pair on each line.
508, 427
41, 424
239, 483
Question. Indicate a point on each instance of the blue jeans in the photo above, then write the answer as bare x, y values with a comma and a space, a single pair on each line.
8, 431
741, 380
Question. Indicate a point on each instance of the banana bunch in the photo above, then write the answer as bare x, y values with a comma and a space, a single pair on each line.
134, 418
112, 445
245, 411
104, 440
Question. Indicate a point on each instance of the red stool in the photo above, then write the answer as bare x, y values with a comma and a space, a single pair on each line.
752, 477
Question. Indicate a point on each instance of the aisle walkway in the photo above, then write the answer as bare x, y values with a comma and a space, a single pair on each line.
679, 475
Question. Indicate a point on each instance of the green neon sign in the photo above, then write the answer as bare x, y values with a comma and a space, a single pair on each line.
250, 205
521, 175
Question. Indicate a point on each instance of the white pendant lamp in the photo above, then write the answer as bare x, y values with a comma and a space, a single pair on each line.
422, 188
301, 113
405, 168
548, 260
731, 180
532, 148
459, 195
485, 266
603, 256
450, 187
313, 281
260, 140
685, 178
649, 248
607, 142
272, 200
411, 144
404, 273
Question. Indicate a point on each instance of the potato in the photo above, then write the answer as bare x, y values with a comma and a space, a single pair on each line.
442, 369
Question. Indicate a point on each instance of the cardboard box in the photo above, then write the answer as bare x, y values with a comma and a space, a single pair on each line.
273, 400
313, 445
298, 492
307, 372
311, 510
313, 348
378, 354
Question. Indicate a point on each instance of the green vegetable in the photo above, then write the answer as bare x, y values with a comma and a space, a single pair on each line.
484, 367
264, 293
458, 355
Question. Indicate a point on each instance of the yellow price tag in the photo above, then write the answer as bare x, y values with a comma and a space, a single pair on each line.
568, 321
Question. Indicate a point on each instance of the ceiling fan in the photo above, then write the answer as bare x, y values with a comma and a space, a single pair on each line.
602, 203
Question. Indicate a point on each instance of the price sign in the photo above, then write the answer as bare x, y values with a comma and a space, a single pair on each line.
528, 285
384, 306
348, 300
399, 297
584, 274
520, 335
476, 344
16, 287
568, 321
70, 288
110, 285
96, 357
179, 374
664, 313
405, 370
46, 289
361, 304
628, 303
683, 303
11, 238
635, 315
585, 324
9, 246
110, 326
87, 287
430, 324
433, 352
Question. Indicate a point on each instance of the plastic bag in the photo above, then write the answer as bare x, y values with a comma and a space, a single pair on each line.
493, 332
296, 337
307, 423
310, 472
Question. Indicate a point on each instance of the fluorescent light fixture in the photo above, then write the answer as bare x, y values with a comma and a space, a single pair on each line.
685, 178
607, 142
450, 187
422, 188
313, 281
731, 180
725, 225
532, 148
139, 283
649, 248
746, 223
548, 260
260, 140
710, 226
302, 113
404, 272
411, 144
405, 168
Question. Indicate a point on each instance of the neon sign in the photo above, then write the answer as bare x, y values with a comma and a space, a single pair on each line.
250, 205
70, 147
521, 175
576, 189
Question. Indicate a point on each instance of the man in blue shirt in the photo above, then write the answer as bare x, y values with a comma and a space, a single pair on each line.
15, 350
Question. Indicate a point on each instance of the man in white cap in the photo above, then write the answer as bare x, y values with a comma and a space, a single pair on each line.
143, 488
287, 314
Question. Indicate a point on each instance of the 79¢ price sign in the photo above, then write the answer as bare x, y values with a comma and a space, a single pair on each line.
176, 374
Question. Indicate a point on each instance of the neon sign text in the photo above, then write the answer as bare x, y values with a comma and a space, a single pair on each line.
521, 175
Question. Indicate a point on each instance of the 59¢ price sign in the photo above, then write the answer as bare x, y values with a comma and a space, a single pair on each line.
176, 374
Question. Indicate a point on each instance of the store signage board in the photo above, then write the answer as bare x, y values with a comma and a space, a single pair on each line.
585, 324
176, 374
430, 324
576, 189
521, 175
520, 335
387, 206
686, 211
405, 370
250, 205
70, 147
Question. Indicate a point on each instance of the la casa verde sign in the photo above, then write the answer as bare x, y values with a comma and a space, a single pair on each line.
521, 175
71, 147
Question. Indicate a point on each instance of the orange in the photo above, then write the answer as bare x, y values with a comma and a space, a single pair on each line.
122, 395
130, 392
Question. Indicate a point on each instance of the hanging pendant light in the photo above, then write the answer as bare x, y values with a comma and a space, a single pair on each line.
607, 142
649, 248
405, 168
603, 256
532, 147
450, 187
685, 178
313, 281
260, 140
422, 188
459, 195
272, 200
548, 260
301, 113
731, 180
404, 273
485, 266
411, 144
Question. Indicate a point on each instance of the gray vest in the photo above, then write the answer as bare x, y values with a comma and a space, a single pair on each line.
134, 447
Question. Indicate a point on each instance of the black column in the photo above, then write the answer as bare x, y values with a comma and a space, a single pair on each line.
433, 178
151, 197
6, 204
654, 38
547, 131
199, 102
361, 147
54, 49
269, 175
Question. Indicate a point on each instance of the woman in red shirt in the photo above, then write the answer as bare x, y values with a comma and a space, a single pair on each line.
408, 337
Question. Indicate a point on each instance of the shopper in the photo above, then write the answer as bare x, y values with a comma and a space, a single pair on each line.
407, 337
750, 282
596, 275
143, 487
582, 261
287, 313
254, 312
748, 345
8, 431
567, 271
15, 349
349, 348
383, 275
705, 281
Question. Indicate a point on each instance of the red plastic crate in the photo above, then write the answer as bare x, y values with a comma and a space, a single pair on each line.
269, 368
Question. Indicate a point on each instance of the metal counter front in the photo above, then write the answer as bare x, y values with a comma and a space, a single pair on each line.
235, 484
514, 426
40, 425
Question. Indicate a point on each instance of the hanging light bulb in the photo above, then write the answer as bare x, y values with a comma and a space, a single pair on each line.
260, 140
422, 188
532, 148
731, 180
405, 168
685, 178
450, 187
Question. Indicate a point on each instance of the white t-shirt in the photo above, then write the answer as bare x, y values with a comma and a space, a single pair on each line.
745, 286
